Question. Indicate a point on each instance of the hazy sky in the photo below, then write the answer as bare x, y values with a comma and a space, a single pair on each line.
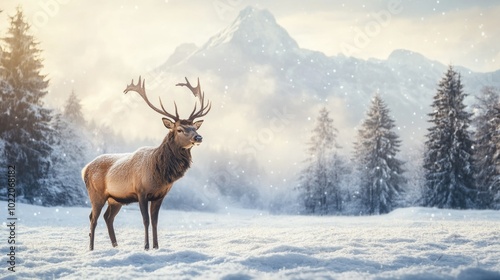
95, 47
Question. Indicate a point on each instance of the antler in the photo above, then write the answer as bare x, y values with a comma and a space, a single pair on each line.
141, 90
201, 96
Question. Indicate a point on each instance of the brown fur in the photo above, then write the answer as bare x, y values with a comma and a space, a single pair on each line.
147, 175
171, 161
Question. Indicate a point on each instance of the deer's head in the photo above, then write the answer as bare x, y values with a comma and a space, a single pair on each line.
183, 132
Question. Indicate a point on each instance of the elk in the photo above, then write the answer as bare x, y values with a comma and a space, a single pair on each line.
147, 175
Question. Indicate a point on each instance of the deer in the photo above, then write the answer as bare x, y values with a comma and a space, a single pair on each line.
146, 175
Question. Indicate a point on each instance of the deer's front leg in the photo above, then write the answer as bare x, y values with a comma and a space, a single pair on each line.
155, 210
143, 205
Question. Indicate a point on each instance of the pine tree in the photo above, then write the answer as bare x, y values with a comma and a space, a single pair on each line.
319, 189
487, 122
5, 95
339, 176
5, 92
25, 122
73, 110
495, 189
448, 159
70, 152
380, 172
63, 184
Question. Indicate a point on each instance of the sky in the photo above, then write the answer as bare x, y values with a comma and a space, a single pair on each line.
95, 47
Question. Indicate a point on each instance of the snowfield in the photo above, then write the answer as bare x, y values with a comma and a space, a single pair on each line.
411, 243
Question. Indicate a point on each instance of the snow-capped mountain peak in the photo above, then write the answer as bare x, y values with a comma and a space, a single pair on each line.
262, 68
256, 28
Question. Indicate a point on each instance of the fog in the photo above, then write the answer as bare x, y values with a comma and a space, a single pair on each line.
264, 105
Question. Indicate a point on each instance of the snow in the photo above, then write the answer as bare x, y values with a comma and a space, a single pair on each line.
411, 243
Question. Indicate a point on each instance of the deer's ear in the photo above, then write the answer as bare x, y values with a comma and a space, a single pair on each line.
168, 123
198, 124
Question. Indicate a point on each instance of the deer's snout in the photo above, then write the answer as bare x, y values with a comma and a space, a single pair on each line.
198, 139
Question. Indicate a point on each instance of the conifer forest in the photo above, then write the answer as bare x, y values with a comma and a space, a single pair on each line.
454, 164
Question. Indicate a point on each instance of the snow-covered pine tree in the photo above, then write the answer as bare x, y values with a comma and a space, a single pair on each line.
448, 158
339, 175
63, 184
380, 172
5, 92
71, 145
6, 95
25, 122
320, 192
487, 123
73, 110
495, 190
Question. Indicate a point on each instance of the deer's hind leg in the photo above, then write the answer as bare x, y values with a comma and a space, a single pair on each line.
109, 216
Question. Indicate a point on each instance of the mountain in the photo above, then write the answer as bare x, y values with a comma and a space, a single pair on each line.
255, 73
254, 30
254, 35
255, 39
181, 52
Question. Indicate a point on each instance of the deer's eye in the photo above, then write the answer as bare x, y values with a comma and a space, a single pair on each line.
180, 131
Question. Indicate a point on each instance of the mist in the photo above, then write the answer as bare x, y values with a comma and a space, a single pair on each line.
267, 73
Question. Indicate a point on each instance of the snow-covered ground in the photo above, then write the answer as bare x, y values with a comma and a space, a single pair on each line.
412, 243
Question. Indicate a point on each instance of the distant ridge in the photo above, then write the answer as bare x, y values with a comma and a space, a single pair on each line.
254, 53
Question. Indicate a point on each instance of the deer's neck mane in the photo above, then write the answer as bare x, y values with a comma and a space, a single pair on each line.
172, 161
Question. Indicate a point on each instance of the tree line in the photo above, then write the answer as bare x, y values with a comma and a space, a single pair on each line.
48, 146
460, 169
